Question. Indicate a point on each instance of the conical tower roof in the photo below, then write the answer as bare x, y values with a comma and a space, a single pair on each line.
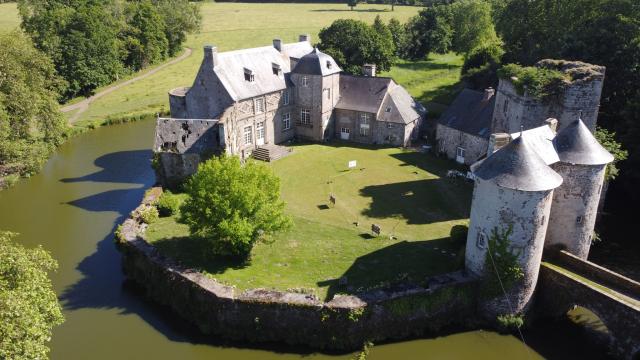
575, 144
517, 166
316, 63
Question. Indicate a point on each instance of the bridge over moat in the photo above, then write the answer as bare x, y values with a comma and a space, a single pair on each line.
567, 281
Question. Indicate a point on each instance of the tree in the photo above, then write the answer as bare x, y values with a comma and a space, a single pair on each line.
234, 205
608, 140
399, 37
385, 34
180, 18
30, 124
430, 31
481, 64
352, 3
146, 40
472, 25
353, 43
29, 308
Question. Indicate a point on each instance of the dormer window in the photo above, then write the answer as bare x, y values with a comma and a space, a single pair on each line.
248, 75
276, 68
329, 64
388, 109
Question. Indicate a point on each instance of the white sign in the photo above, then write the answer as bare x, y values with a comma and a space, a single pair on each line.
352, 164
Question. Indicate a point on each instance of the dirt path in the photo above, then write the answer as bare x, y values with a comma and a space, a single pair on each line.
83, 105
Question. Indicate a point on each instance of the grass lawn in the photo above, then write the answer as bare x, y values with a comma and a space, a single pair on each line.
401, 190
233, 26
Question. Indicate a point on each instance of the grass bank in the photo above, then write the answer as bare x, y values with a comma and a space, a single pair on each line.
325, 252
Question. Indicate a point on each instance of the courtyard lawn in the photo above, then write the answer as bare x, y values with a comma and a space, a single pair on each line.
402, 191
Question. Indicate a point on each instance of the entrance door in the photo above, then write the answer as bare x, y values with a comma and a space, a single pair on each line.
260, 133
344, 133
460, 155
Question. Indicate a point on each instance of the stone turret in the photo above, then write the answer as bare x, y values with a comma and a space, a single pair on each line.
513, 187
582, 165
580, 93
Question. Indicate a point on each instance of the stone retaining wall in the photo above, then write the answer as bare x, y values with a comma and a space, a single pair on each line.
260, 315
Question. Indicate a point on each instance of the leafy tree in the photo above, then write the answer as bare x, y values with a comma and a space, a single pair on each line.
385, 34
481, 64
399, 37
472, 25
180, 18
234, 205
146, 42
501, 268
608, 140
29, 308
352, 3
430, 31
353, 43
30, 124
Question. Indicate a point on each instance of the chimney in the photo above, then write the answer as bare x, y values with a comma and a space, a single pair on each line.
304, 37
488, 94
497, 141
211, 55
277, 43
369, 70
552, 123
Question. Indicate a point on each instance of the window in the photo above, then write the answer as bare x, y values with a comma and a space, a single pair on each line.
260, 131
285, 97
481, 240
364, 118
286, 121
364, 129
259, 105
388, 109
248, 135
329, 64
345, 130
305, 81
305, 117
276, 68
460, 152
328, 91
389, 125
579, 220
505, 107
542, 221
248, 75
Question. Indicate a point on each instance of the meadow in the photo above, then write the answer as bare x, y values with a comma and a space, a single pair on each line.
403, 191
232, 26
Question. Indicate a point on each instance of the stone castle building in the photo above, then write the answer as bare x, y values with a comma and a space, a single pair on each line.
245, 99
464, 130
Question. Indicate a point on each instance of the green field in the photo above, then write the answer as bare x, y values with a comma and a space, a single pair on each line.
233, 26
401, 190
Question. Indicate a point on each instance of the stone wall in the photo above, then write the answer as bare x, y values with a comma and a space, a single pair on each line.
450, 139
260, 315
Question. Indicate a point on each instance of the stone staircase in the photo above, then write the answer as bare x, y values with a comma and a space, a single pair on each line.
270, 152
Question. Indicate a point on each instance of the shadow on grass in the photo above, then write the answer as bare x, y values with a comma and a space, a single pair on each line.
349, 10
401, 264
443, 95
425, 65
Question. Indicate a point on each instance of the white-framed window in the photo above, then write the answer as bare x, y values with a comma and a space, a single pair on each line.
460, 152
260, 131
481, 240
389, 125
364, 118
364, 129
285, 97
286, 121
305, 116
345, 130
276, 68
259, 105
305, 81
248, 135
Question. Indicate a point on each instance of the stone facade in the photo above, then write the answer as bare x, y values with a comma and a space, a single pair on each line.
449, 140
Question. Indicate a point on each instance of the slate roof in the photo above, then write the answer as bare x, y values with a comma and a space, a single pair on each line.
541, 140
470, 114
575, 144
231, 65
517, 166
360, 93
317, 63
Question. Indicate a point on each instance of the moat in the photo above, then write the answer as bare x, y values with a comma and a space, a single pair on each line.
90, 185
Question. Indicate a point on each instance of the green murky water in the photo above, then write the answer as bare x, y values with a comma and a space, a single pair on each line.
72, 207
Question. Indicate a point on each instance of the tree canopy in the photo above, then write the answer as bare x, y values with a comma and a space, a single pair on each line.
234, 205
29, 308
430, 31
353, 43
30, 124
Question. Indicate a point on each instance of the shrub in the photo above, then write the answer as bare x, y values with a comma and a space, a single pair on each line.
149, 214
168, 204
233, 205
540, 83
509, 322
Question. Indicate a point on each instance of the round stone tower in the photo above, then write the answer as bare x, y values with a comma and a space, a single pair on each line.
582, 165
513, 188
